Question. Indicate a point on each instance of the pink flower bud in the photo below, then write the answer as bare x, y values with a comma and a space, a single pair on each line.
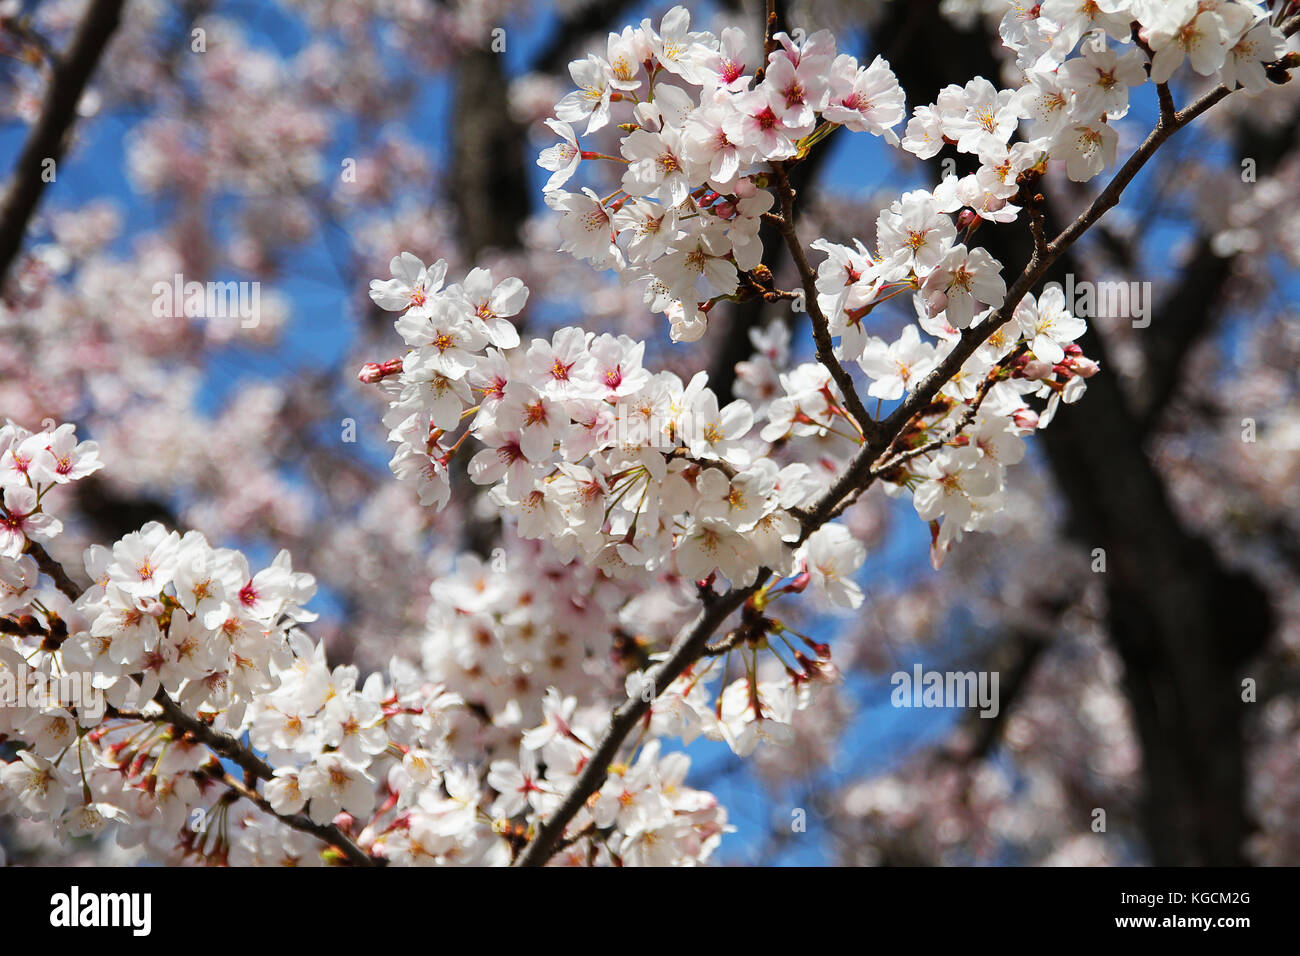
1025, 418
373, 372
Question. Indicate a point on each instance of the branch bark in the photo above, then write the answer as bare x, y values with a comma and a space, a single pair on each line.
49, 136
231, 749
54, 571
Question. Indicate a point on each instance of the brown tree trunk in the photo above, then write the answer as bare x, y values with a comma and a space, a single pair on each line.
487, 181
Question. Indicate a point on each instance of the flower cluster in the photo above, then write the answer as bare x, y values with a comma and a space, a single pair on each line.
632, 492
36, 704
32, 465
954, 456
705, 120
707, 133
582, 445
90, 695
1229, 41
172, 623
1080, 61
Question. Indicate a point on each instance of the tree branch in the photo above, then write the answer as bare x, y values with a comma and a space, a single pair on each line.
686, 650
48, 137
227, 746
300, 821
54, 571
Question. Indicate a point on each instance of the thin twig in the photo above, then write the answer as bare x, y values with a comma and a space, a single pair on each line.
820, 325
326, 833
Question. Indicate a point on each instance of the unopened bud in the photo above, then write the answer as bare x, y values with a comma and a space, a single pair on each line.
1025, 418
820, 670
373, 372
820, 649
1085, 367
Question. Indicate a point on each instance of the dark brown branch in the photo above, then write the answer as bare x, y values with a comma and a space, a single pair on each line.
48, 137
54, 571
686, 650
222, 744
299, 821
